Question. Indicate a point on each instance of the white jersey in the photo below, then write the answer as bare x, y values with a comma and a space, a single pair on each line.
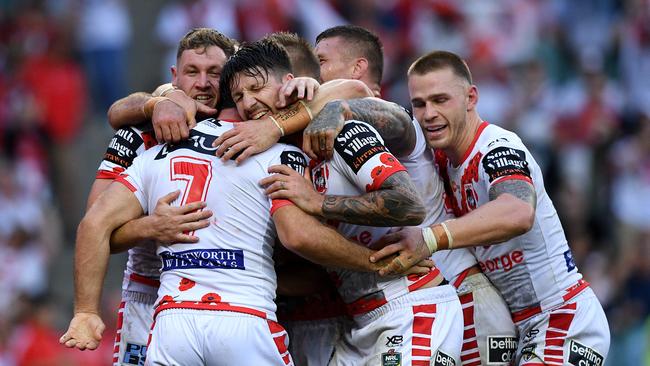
533, 271
360, 164
128, 143
420, 166
231, 266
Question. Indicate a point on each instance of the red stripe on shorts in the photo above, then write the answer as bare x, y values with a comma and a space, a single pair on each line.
559, 322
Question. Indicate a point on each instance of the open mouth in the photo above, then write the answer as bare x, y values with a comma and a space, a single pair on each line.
435, 129
203, 98
258, 114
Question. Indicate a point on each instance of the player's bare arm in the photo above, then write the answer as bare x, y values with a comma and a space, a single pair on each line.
510, 213
389, 119
113, 208
252, 138
395, 203
304, 235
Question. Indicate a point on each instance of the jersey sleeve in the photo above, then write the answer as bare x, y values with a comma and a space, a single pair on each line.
134, 178
506, 158
127, 143
360, 154
296, 160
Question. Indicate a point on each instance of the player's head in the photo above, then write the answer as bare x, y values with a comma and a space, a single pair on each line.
442, 96
301, 54
201, 55
350, 52
253, 77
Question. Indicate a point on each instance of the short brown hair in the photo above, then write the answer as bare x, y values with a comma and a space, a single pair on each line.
437, 60
204, 38
363, 42
301, 53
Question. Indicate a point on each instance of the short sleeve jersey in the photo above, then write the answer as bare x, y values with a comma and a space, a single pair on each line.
530, 270
231, 266
360, 164
127, 143
422, 170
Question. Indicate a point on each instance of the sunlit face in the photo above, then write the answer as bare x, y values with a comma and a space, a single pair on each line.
441, 101
197, 73
335, 63
256, 97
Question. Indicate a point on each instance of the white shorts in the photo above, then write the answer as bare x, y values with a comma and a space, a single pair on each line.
575, 333
190, 337
311, 342
134, 319
490, 336
421, 328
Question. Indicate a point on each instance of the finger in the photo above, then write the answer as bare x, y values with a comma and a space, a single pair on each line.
92, 345
419, 270
314, 145
169, 197
184, 129
159, 134
185, 238
235, 149
191, 207
385, 252
280, 169
395, 267
197, 216
310, 92
282, 194
176, 132
167, 133
248, 152
71, 343
276, 187
307, 174
329, 144
204, 109
98, 333
191, 124
224, 136
426, 263
270, 180
226, 145
306, 146
64, 338
195, 225
301, 90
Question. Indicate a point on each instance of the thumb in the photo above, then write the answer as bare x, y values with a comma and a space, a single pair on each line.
204, 109
99, 329
307, 174
170, 197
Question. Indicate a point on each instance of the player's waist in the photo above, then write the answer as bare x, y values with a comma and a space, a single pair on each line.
551, 302
207, 304
467, 272
377, 299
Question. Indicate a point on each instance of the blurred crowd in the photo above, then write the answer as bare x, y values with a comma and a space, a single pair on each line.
572, 78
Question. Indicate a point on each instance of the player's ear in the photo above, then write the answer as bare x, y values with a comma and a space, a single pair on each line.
472, 97
287, 77
174, 74
360, 68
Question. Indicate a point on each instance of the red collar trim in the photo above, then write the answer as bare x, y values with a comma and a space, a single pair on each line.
480, 129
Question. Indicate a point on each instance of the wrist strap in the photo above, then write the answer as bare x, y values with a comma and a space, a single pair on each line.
430, 239
450, 239
149, 106
278, 125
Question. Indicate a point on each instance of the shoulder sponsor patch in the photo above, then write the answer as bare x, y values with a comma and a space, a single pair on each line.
203, 258
198, 141
294, 160
581, 355
123, 147
357, 143
501, 350
505, 161
443, 359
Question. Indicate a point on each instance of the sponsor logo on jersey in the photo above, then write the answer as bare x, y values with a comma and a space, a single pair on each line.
443, 359
134, 354
203, 258
394, 341
505, 262
123, 146
500, 139
319, 175
294, 160
581, 355
570, 263
505, 161
391, 358
528, 352
198, 141
501, 350
357, 143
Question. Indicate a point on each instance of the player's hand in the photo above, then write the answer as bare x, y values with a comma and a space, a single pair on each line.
247, 139
408, 243
295, 89
84, 332
318, 137
170, 224
288, 184
173, 118
191, 108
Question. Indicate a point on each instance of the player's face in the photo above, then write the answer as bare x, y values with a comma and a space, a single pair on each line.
256, 97
334, 61
197, 73
441, 101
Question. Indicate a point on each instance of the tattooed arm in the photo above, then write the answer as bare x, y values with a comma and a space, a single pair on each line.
396, 203
391, 121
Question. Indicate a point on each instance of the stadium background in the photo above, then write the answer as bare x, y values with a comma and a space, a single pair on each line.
571, 77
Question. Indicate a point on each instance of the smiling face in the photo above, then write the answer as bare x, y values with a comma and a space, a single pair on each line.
441, 102
197, 73
255, 96
335, 62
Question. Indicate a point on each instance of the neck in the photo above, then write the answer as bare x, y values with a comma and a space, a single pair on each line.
458, 149
229, 114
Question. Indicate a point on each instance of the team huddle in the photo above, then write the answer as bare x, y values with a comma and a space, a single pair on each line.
293, 217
